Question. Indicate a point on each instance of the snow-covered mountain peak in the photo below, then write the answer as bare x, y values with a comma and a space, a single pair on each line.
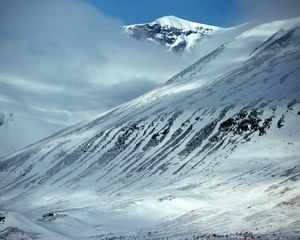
174, 33
179, 23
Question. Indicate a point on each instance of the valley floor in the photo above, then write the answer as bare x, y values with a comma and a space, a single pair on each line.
62, 225
15, 233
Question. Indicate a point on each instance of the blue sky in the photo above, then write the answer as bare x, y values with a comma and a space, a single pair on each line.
214, 12
223, 13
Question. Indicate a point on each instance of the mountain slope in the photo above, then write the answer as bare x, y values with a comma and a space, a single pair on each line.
174, 33
204, 153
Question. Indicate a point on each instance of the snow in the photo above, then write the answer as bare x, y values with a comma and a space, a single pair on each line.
176, 30
162, 166
179, 23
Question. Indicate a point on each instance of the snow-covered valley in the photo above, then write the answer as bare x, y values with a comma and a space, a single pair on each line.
213, 153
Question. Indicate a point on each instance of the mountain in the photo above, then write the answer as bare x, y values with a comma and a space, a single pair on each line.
213, 153
36, 102
174, 33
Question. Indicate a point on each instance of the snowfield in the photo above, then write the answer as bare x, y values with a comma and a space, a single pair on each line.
212, 154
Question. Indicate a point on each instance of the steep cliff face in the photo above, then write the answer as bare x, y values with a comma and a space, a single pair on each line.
214, 150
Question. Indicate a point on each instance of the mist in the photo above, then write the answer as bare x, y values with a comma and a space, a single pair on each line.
63, 61
73, 50
267, 10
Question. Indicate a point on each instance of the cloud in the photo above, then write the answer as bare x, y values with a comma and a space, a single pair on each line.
265, 10
71, 45
63, 61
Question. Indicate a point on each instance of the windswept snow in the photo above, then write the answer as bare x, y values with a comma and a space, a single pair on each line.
213, 153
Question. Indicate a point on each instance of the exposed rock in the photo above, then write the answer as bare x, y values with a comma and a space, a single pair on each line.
246, 121
2, 218
1, 119
280, 122
51, 216
12, 233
